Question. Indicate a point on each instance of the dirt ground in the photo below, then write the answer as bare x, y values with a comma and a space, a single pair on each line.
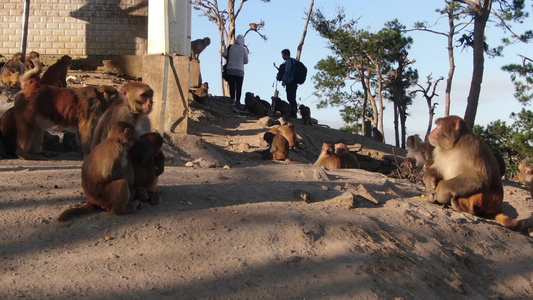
233, 226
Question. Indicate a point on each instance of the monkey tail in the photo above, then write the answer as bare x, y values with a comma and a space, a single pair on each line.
507, 222
37, 69
76, 211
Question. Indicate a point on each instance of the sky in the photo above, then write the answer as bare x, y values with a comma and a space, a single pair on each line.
284, 25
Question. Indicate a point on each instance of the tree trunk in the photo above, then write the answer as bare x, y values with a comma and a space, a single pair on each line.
396, 131
403, 117
300, 46
430, 110
451, 60
480, 20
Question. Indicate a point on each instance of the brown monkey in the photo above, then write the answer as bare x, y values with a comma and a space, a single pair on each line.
136, 104
38, 107
348, 160
465, 173
201, 92
287, 131
197, 46
279, 147
368, 129
265, 104
12, 70
262, 109
416, 153
282, 106
28, 62
56, 74
328, 158
148, 163
107, 175
525, 173
253, 105
377, 135
305, 111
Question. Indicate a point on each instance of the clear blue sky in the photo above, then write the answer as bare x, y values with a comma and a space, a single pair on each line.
284, 23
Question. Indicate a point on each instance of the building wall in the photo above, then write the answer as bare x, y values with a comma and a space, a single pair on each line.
78, 28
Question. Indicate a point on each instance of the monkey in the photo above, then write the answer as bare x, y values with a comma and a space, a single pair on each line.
251, 104
201, 93
416, 154
197, 46
377, 135
148, 163
8, 133
11, 71
107, 175
56, 74
525, 173
328, 158
279, 146
136, 104
282, 106
39, 107
254, 105
28, 63
305, 111
287, 131
262, 109
265, 104
465, 173
348, 160
368, 129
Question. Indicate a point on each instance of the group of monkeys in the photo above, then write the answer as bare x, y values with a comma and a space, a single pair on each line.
122, 156
459, 169
259, 107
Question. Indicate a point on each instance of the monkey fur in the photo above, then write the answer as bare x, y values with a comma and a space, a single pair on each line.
107, 175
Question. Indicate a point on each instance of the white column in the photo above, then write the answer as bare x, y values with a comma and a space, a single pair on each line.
169, 27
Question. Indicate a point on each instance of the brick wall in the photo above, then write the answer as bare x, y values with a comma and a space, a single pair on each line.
78, 28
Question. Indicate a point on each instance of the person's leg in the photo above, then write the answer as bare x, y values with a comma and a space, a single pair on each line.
291, 97
231, 85
238, 87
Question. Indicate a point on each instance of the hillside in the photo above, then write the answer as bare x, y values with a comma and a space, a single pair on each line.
234, 226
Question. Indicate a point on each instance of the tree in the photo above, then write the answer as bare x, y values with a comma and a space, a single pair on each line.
480, 11
428, 92
514, 141
224, 19
400, 74
358, 58
453, 12
300, 46
523, 89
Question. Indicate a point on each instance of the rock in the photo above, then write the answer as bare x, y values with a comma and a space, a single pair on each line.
345, 200
304, 195
266, 121
244, 147
195, 147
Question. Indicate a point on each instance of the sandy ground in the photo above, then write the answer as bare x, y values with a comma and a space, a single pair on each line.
242, 232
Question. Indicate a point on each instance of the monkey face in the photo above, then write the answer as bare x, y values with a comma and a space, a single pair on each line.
144, 104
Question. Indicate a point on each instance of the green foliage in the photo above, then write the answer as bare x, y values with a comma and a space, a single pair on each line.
359, 58
523, 88
514, 142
